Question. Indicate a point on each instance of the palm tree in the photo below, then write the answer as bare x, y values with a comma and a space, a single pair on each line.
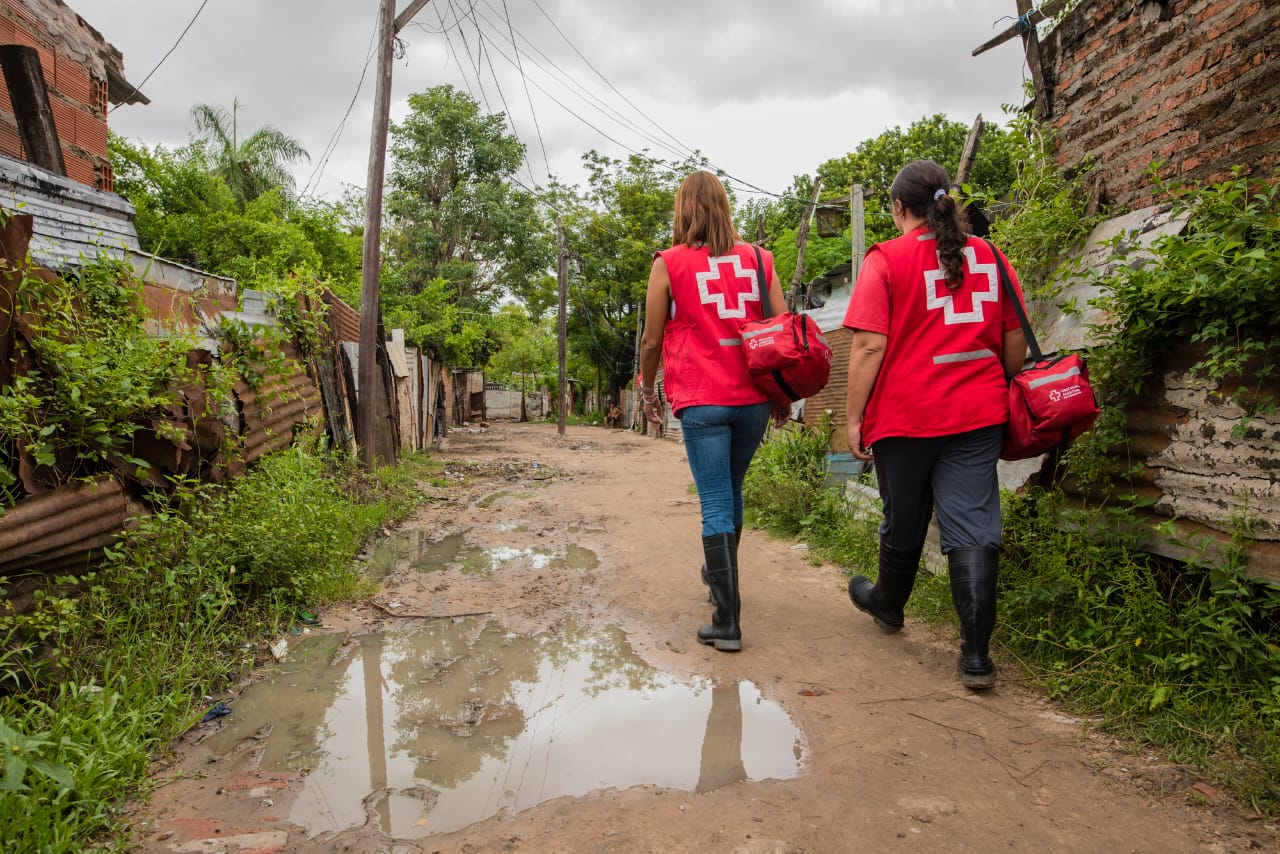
254, 166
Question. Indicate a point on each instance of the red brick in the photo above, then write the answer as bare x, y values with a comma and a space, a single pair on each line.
43, 48
1180, 144
1244, 14
105, 177
79, 169
91, 133
7, 30
72, 80
64, 119
1116, 67
1213, 10
11, 142
1159, 130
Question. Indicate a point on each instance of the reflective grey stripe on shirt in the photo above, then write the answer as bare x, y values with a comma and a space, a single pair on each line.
972, 355
777, 327
1051, 378
730, 342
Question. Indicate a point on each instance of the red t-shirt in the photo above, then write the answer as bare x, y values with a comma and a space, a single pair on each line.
942, 371
702, 359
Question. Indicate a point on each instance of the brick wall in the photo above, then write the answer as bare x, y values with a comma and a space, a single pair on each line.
75, 97
832, 397
1194, 84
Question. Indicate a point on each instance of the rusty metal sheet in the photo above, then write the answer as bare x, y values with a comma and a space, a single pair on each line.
345, 320
73, 522
271, 414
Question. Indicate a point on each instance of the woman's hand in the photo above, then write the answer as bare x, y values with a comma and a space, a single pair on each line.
652, 408
854, 435
781, 413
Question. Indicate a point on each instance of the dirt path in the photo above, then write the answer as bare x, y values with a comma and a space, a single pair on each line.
588, 545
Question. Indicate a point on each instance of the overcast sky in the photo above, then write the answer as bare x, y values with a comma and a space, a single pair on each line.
764, 90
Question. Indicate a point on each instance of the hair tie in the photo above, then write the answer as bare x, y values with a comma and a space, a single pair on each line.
942, 191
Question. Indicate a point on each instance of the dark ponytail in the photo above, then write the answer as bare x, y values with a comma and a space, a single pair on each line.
917, 186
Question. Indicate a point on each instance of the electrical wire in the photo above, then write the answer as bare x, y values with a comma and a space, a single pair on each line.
168, 53
313, 182
510, 118
516, 50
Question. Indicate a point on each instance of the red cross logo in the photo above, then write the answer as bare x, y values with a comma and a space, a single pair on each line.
938, 295
728, 294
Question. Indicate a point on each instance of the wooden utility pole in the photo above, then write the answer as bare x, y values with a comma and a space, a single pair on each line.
760, 230
373, 430
802, 237
857, 230
1031, 45
562, 280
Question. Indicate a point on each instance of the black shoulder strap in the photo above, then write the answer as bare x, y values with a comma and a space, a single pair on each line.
763, 282
1034, 346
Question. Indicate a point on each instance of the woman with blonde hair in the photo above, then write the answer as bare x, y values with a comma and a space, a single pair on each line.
700, 292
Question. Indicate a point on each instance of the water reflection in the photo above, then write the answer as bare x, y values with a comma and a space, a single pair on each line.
435, 728
414, 550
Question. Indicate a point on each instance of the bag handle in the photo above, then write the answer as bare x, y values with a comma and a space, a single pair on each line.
1036, 355
764, 286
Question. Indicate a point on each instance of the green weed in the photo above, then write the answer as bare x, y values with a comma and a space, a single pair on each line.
95, 684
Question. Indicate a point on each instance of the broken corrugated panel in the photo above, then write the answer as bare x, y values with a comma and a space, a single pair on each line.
271, 414
71, 523
345, 319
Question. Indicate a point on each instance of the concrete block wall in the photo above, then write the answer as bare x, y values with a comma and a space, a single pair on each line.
1194, 84
77, 98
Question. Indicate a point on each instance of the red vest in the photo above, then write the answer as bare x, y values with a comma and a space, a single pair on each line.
702, 360
942, 371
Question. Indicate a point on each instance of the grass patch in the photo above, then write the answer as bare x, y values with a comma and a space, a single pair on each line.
94, 684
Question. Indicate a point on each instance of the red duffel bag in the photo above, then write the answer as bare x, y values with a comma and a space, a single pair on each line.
1051, 402
786, 354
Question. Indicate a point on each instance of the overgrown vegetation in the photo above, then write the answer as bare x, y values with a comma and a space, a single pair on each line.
91, 686
97, 375
1185, 658
1211, 290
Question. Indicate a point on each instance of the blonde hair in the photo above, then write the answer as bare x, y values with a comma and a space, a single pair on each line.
702, 214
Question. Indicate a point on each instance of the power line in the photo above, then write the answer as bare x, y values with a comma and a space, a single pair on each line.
605, 79
583, 92
516, 50
181, 36
489, 59
332, 145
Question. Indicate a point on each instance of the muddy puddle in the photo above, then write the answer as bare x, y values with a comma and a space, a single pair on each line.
416, 551
442, 724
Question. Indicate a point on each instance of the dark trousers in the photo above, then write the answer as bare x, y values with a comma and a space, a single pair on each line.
952, 475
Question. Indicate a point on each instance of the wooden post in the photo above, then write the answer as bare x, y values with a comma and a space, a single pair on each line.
1031, 45
31, 110
562, 279
802, 237
373, 432
857, 230
760, 230
970, 152
374, 438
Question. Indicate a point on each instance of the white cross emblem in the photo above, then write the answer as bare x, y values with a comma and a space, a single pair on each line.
946, 301
718, 299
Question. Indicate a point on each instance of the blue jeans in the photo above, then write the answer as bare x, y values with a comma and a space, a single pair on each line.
720, 442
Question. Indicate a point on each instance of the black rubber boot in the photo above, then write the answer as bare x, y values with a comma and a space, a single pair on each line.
722, 573
885, 599
737, 538
973, 590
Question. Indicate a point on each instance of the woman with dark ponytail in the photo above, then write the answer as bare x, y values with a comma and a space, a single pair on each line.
935, 341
